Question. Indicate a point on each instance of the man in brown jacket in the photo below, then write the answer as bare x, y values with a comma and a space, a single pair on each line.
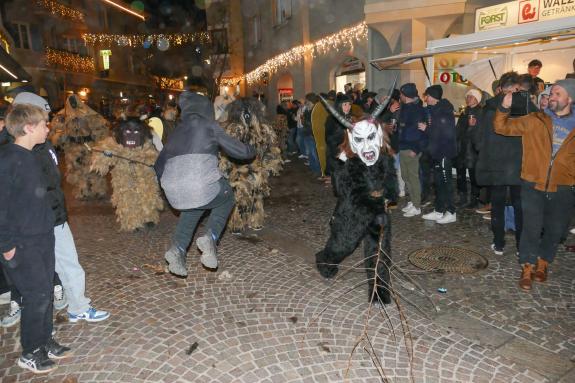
548, 176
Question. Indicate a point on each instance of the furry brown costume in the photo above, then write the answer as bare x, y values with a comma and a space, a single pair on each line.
73, 126
250, 180
136, 194
281, 128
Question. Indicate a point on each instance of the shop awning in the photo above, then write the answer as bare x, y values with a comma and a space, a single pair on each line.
530, 32
10, 70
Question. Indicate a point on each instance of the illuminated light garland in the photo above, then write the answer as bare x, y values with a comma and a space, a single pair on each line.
58, 9
69, 61
335, 41
169, 83
136, 40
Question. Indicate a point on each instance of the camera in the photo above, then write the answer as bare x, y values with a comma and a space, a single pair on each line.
520, 104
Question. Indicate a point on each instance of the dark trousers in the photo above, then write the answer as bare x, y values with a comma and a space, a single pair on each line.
443, 186
498, 203
220, 208
462, 182
32, 273
549, 214
17, 297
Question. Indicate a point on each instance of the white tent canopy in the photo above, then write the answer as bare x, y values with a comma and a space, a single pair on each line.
483, 72
532, 32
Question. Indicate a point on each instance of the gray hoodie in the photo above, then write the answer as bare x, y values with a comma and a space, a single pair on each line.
187, 166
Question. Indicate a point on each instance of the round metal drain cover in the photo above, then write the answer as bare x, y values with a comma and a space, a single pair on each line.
446, 259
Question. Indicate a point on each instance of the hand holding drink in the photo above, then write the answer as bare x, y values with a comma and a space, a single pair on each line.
472, 121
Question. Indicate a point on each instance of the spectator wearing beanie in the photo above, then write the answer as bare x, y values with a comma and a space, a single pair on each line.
412, 142
440, 129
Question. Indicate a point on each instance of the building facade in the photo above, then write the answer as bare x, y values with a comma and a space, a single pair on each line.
274, 27
45, 37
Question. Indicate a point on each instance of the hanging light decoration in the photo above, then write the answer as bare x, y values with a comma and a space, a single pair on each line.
146, 40
336, 41
69, 61
58, 9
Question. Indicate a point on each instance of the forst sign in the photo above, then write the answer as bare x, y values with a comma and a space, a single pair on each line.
521, 12
496, 17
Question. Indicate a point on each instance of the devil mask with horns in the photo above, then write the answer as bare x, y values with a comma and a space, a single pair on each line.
366, 138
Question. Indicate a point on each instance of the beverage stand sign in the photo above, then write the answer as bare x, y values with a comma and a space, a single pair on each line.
521, 12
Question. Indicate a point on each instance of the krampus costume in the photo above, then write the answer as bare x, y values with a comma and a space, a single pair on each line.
130, 155
363, 182
73, 126
250, 180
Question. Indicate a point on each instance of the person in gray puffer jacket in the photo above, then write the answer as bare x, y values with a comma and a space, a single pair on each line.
187, 169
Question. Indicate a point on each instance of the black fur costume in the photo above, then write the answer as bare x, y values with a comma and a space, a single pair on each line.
360, 214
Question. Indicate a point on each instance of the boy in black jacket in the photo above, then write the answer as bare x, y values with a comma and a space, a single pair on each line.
27, 236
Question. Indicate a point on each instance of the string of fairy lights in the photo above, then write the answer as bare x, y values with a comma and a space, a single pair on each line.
69, 61
61, 10
146, 40
345, 37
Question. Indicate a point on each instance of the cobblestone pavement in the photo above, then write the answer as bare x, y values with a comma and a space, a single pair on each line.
267, 316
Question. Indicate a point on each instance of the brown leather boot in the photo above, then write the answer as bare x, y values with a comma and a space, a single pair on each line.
541, 270
526, 277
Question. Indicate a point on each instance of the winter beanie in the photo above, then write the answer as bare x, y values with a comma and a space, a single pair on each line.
409, 90
569, 85
475, 93
435, 91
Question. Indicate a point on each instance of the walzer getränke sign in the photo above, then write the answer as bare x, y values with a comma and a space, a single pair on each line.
521, 12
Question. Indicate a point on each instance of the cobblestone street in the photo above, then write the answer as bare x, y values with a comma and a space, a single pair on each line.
267, 315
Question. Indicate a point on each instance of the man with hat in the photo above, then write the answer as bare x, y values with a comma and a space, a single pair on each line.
440, 129
412, 142
548, 180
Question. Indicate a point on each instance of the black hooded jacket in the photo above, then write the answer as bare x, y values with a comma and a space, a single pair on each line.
46, 155
441, 132
187, 166
499, 161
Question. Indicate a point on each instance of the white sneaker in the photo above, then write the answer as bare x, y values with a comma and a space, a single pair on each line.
412, 212
447, 218
433, 216
60, 300
572, 231
496, 251
407, 207
5, 298
13, 316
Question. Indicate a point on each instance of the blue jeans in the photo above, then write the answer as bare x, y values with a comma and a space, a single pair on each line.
70, 271
221, 207
300, 141
311, 153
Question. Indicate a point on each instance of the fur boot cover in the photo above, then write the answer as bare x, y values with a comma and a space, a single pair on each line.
360, 214
250, 180
73, 126
136, 194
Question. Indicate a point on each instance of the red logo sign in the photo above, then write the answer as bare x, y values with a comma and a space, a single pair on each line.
528, 11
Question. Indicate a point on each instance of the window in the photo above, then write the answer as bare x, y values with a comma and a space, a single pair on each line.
281, 11
255, 31
220, 41
22, 36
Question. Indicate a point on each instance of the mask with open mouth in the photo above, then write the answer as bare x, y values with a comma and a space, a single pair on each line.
366, 140
131, 133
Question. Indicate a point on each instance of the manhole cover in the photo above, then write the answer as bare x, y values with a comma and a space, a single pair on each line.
448, 259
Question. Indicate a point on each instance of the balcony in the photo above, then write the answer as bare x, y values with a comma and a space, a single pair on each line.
69, 62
